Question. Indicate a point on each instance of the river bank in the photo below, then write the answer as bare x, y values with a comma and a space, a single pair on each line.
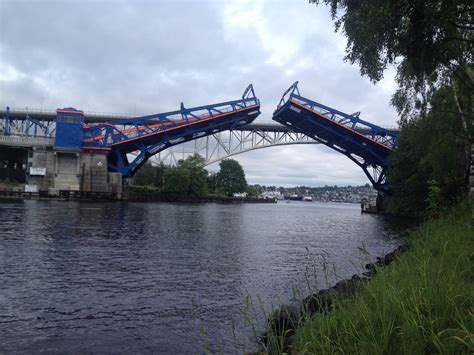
18, 194
422, 303
160, 197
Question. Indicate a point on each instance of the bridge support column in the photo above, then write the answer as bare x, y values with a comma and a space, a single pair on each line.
75, 170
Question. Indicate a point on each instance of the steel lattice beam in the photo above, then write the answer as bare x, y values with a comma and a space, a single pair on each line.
223, 145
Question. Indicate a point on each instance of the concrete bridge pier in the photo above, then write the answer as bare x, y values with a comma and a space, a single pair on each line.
55, 169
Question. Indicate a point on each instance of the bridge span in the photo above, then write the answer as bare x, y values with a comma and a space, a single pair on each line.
213, 148
70, 149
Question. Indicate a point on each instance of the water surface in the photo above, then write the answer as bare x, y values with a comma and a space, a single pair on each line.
157, 277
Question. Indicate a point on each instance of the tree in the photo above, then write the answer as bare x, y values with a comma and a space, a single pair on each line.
188, 177
429, 153
176, 180
429, 41
150, 175
231, 177
145, 175
194, 165
252, 191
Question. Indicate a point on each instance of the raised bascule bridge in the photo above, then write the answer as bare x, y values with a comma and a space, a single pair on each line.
366, 144
68, 149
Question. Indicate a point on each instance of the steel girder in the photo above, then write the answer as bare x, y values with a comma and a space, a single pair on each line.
223, 145
366, 144
148, 135
26, 125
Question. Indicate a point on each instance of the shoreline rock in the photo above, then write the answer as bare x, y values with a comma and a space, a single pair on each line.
285, 320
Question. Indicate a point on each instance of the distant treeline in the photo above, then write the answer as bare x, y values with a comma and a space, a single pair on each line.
190, 178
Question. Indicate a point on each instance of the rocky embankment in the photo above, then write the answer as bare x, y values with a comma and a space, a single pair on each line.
284, 321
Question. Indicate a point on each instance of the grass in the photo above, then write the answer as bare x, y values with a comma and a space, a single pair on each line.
422, 303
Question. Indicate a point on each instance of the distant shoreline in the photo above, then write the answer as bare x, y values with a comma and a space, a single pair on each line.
157, 197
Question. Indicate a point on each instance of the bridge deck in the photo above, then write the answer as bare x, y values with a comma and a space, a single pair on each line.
365, 143
50, 116
26, 141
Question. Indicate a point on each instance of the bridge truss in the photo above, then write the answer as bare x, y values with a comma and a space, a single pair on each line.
216, 132
26, 124
222, 145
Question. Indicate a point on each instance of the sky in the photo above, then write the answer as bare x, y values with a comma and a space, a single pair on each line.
144, 57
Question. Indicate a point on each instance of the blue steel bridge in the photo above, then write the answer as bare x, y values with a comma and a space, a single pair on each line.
218, 131
366, 144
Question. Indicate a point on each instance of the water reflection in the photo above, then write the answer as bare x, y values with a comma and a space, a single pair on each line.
135, 277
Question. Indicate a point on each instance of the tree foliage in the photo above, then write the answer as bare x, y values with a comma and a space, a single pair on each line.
231, 177
429, 41
150, 175
430, 154
188, 177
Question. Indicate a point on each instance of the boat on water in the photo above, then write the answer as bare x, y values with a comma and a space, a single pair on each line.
294, 197
308, 198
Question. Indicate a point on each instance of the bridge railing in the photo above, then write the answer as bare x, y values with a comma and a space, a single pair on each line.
110, 133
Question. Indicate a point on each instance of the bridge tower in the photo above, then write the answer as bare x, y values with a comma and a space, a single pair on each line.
65, 165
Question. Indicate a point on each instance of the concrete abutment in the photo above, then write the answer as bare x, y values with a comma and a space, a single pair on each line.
54, 169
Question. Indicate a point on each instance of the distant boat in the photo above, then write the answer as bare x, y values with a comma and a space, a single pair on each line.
294, 197
308, 198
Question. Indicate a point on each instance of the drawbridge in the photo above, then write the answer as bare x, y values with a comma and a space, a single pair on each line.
148, 135
366, 144
218, 131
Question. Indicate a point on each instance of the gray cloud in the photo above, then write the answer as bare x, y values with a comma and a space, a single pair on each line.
147, 56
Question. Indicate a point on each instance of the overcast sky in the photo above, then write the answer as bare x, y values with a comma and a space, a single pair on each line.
143, 57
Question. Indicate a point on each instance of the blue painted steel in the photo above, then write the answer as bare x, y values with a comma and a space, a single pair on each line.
69, 124
26, 126
365, 143
148, 135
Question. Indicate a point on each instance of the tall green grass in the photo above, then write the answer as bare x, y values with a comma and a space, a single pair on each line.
422, 303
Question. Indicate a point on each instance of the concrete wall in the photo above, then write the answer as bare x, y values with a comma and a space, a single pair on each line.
73, 170
41, 158
67, 172
94, 172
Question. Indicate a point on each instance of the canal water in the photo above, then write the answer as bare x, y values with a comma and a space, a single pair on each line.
81, 277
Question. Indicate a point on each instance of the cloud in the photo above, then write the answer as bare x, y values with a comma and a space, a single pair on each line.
143, 57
